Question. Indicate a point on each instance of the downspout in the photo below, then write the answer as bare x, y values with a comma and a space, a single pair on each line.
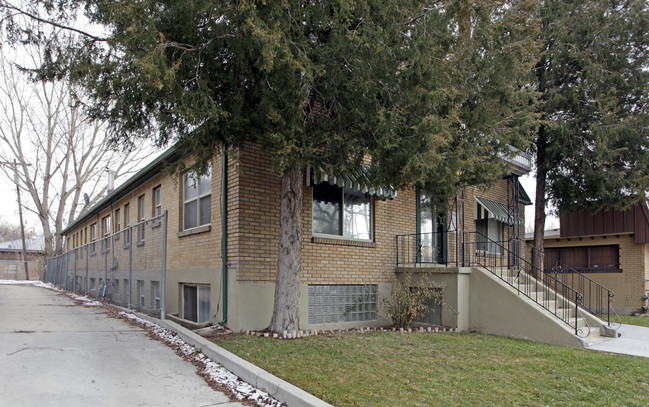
224, 235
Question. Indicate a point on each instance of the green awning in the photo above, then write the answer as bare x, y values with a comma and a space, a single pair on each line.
488, 209
354, 180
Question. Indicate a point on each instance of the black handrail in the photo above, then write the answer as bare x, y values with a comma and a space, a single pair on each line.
476, 249
596, 295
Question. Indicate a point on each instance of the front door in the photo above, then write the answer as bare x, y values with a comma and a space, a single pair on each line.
431, 232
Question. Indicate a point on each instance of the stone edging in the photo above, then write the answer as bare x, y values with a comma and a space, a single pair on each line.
261, 379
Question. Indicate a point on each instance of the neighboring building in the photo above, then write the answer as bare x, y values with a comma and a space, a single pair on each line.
358, 238
610, 246
12, 266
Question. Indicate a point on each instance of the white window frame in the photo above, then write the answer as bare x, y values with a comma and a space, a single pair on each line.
157, 201
105, 226
93, 238
491, 225
141, 216
200, 195
127, 225
342, 218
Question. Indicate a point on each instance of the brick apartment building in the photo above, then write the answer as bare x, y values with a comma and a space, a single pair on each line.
350, 231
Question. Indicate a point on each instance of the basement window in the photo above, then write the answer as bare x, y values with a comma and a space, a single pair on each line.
196, 303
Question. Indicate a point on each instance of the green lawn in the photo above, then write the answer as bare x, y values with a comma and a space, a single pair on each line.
449, 369
641, 321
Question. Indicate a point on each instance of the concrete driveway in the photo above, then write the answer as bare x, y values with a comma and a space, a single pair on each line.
56, 353
634, 341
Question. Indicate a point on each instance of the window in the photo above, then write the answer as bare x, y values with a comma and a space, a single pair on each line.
140, 293
196, 303
155, 295
127, 293
127, 224
93, 237
140, 216
157, 201
489, 238
591, 259
118, 224
105, 232
341, 303
341, 212
197, 199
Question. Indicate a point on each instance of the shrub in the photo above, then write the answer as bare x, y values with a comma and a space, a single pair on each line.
407, 303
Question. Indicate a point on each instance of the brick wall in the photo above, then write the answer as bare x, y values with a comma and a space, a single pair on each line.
629, 285
254, 223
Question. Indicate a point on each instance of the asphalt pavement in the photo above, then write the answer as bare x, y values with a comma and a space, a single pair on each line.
56, 353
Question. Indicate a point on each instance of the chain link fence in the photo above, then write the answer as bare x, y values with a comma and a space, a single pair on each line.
127, 268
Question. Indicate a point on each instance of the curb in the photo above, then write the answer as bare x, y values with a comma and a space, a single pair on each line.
280, 389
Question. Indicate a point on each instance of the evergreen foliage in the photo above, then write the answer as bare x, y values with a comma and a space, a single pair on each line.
433, 92
593, 146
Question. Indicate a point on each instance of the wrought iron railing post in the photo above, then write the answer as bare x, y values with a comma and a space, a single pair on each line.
397, 243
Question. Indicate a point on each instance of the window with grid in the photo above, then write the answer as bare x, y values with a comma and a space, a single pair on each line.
197, 199
342, 303
141, 214
93, 238
127, 224
105, 232
156, 200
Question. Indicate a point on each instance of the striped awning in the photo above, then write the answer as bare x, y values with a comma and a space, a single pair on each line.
488, 209
354, 180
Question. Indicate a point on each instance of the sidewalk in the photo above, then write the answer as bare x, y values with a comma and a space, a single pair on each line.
56, 353
634, 341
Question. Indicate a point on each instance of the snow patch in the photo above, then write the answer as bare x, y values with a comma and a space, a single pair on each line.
87, 301
35, 283
213, 370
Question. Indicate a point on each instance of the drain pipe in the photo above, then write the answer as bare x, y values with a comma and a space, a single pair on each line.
224, 235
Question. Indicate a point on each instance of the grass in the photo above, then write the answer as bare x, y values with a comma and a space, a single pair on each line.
450, 369
633, 320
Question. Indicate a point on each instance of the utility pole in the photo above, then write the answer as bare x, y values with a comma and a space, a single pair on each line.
22, 225
20, 213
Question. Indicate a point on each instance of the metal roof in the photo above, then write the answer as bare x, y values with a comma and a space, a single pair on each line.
354, 180
498, 211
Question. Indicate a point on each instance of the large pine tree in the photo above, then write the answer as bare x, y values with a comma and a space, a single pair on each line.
592, 149
434, 92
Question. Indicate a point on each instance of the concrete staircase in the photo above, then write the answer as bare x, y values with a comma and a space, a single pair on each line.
535, 310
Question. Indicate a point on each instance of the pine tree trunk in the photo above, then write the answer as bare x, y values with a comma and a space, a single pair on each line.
540, 200
289, 259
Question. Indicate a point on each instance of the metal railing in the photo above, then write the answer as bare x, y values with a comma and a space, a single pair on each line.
127, 268
597, 299
469, 249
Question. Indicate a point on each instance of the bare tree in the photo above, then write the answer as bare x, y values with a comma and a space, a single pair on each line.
59, 153
10, 231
